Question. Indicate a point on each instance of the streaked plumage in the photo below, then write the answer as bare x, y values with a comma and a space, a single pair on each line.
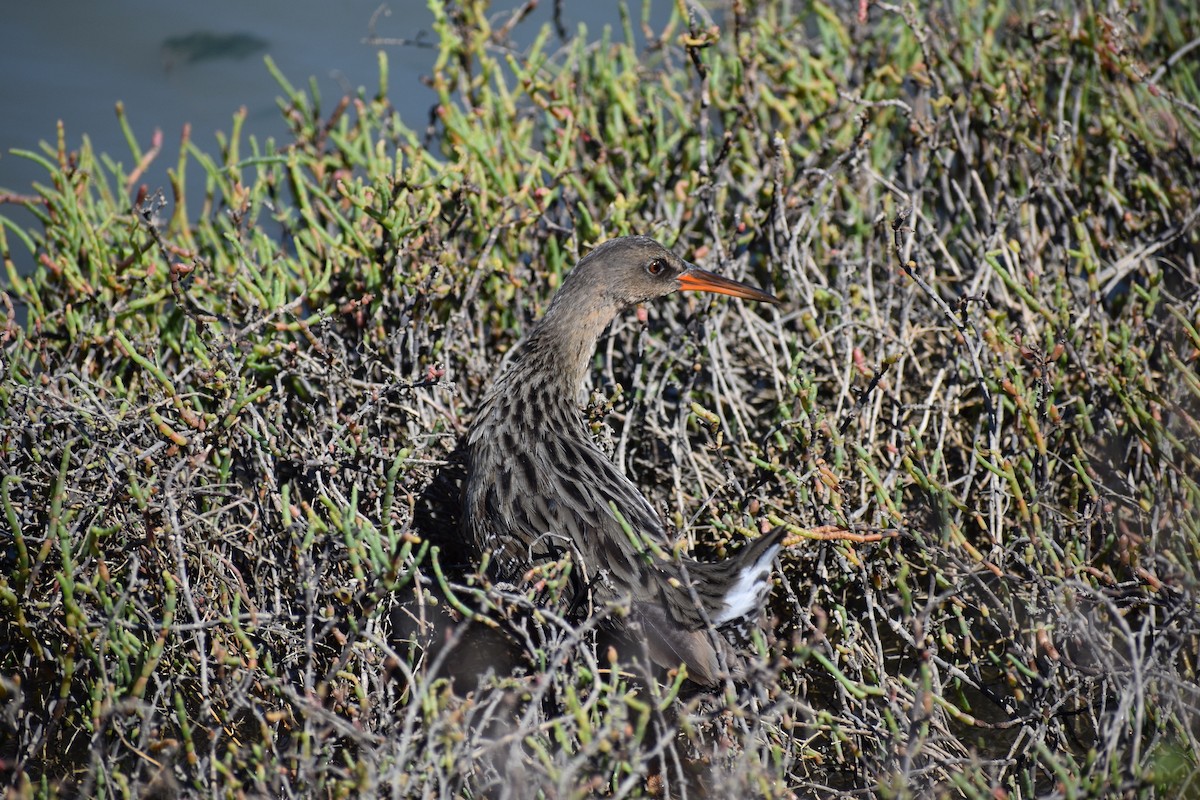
537, 486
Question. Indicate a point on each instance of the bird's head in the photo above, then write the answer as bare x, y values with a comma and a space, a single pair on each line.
634, 269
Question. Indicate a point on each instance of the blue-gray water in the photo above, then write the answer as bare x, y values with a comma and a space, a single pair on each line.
198, 63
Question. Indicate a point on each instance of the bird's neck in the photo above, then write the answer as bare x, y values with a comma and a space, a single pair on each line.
558, 352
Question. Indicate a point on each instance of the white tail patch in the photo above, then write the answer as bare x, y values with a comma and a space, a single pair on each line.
749, 590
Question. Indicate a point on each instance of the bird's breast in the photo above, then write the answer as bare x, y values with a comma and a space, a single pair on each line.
538, 486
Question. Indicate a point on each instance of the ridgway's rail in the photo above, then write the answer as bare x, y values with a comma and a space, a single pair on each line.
537, 486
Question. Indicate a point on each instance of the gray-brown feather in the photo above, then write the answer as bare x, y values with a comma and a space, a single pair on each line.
537, 485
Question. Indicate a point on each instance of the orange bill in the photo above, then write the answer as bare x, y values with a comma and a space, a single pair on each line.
701, 280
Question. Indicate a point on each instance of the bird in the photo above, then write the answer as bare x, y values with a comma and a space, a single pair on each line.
537, 486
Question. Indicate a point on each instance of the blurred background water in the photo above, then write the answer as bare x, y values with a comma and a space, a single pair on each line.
198, 63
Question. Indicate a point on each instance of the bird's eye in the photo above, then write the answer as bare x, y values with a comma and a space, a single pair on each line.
656, 267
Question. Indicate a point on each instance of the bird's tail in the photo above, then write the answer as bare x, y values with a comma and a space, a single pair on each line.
732, 592
749, 580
